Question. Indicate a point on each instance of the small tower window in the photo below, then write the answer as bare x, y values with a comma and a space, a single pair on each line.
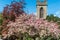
41, 12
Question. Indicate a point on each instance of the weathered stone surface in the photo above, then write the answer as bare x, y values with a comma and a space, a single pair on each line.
44, 6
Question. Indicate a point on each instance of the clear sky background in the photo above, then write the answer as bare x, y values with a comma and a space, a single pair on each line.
30, 7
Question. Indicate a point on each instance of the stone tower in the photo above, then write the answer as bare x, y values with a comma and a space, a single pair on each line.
41, 9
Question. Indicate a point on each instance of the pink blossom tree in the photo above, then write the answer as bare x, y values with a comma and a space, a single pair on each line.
29, 24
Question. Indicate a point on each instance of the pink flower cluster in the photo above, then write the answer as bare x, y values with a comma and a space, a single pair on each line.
31, 25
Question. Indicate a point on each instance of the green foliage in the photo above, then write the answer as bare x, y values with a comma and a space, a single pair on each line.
53, 18
49, 38
26, 35
1, 19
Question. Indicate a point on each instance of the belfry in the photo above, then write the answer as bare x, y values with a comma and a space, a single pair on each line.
41, 9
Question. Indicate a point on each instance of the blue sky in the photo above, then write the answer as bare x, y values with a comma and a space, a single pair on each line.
30, 7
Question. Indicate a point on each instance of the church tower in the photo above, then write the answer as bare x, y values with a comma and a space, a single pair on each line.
41, 9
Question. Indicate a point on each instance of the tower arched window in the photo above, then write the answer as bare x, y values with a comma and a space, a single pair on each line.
41, 12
